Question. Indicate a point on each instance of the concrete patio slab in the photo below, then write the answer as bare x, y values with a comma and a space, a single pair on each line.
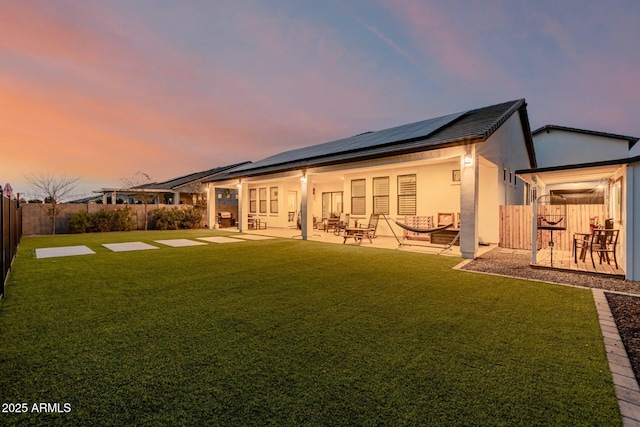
179, 243
220, 239
253, 237
128, 246
63, 251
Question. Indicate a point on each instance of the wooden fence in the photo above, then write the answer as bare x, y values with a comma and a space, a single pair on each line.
10, 234
36, 222
515, 225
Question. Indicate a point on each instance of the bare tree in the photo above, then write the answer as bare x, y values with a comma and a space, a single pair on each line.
53, 189
138, 185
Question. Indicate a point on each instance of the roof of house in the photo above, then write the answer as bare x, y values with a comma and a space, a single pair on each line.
631, 139
174, 183
465, 127
193, 177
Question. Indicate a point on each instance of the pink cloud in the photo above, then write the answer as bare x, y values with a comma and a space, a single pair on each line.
450, 46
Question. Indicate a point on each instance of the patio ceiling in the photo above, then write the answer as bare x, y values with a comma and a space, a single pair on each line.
585, 172
571, 176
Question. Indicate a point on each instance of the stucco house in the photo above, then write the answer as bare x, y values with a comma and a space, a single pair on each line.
462, 163
590, 167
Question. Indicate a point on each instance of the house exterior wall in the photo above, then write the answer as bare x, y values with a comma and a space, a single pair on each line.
499, 157
488, 203
635, 150
557, 147
436, 192
506, 150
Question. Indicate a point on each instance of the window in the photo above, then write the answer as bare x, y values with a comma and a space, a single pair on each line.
263, 200
407, 194
252, 200
358, 197
381, 195
273, 199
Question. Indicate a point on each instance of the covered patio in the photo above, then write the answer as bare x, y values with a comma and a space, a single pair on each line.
379, 242
584, 198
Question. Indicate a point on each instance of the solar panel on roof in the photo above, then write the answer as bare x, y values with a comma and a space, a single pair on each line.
362, 141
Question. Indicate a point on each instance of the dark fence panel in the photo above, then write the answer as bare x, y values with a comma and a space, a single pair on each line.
11, 233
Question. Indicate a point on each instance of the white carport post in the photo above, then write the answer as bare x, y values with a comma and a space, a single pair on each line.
176, 197
469, 172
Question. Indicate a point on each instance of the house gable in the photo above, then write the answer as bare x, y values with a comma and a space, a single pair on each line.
557, 145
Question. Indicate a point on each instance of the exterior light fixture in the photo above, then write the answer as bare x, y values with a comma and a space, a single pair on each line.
468, 160
303, 179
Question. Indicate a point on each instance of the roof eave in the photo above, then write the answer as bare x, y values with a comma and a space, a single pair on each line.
623, 161
267, 170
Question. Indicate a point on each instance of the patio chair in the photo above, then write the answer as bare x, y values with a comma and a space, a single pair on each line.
603, 243
360, 233
581, 245
340, 227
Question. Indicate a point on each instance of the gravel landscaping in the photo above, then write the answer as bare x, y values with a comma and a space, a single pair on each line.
625, 308
517, 264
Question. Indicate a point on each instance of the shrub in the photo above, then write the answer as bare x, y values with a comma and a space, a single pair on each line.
80, 222
102, 221
176, 218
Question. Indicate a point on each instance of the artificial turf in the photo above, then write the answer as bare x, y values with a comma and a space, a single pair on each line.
289, 332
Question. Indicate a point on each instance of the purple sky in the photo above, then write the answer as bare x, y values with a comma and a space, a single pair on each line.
103, 89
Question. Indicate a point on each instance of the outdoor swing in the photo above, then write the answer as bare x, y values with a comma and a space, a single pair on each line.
401, 243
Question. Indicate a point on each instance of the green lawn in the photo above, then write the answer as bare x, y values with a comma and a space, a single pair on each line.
286, 332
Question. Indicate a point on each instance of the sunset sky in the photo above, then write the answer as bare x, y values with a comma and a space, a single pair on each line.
103, 89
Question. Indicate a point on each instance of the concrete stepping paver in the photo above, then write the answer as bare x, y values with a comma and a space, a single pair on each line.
128, 246
179, 243
220, 239
63, 251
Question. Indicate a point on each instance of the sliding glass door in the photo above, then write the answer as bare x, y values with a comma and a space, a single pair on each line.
332, 204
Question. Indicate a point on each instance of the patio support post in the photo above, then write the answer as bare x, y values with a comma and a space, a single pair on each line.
469, 173
176, 197
304, 220
632, 238
104, 198
534, 223
243, 206
211, 207
113, 198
